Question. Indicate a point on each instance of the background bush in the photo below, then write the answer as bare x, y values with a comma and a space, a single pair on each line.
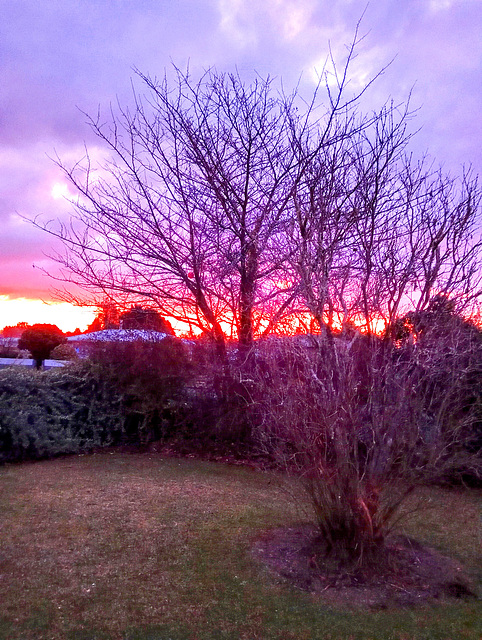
151, 379
64, 352
125, 392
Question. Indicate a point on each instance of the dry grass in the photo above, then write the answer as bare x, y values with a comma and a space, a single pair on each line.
126, 546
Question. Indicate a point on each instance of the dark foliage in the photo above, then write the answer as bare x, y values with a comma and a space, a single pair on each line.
446, 351
9, 351
48, 413
151, 379
40, 340
140, 318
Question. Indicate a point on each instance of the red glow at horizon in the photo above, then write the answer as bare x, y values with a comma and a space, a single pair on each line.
69, 317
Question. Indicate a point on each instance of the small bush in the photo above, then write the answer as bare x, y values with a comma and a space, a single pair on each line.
64, 352
40, 340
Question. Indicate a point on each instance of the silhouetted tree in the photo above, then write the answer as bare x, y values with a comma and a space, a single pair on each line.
206, 178
40, 340
225, 204
14, 331
107, 317
138, 317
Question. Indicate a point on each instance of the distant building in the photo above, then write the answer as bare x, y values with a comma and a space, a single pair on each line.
84, 342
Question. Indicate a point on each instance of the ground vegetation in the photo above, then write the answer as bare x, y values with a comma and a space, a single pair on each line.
138, 547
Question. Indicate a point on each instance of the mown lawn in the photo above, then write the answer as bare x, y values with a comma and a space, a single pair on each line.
136, 547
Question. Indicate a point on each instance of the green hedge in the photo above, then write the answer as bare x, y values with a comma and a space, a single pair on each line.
48, 413
124, 393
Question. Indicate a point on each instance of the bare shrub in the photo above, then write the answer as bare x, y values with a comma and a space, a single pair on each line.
362, 422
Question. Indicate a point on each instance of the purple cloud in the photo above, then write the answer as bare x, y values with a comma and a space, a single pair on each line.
59, 56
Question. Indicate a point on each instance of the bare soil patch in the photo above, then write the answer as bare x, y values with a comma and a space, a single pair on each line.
407, 573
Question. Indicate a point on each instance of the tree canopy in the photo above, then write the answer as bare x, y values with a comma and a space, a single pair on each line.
138, 317
40, 340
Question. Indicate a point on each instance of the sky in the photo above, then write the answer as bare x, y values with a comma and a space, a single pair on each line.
60, 59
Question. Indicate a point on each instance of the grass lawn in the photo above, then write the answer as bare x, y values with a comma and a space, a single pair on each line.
136, 547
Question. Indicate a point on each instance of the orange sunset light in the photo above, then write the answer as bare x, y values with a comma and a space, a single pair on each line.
63, 314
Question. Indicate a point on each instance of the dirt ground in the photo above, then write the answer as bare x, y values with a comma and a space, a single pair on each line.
408, 573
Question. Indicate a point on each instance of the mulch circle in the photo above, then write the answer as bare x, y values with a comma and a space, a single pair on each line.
407, 574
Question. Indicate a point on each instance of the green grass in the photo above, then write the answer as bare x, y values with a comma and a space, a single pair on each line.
135, 547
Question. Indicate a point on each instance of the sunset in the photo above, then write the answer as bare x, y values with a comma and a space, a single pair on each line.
66, 316
240, 319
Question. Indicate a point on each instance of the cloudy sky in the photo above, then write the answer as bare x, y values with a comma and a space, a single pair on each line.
61, 57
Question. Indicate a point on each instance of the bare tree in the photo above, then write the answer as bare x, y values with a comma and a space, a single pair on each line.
198, 187
420, 237
381, 246
376, 234
192, 209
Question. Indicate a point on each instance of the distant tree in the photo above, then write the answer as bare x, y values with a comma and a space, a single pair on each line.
40, 340
107, 318
95, 325
437, 326
14, 331
447, 348
140, 318
75, 332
